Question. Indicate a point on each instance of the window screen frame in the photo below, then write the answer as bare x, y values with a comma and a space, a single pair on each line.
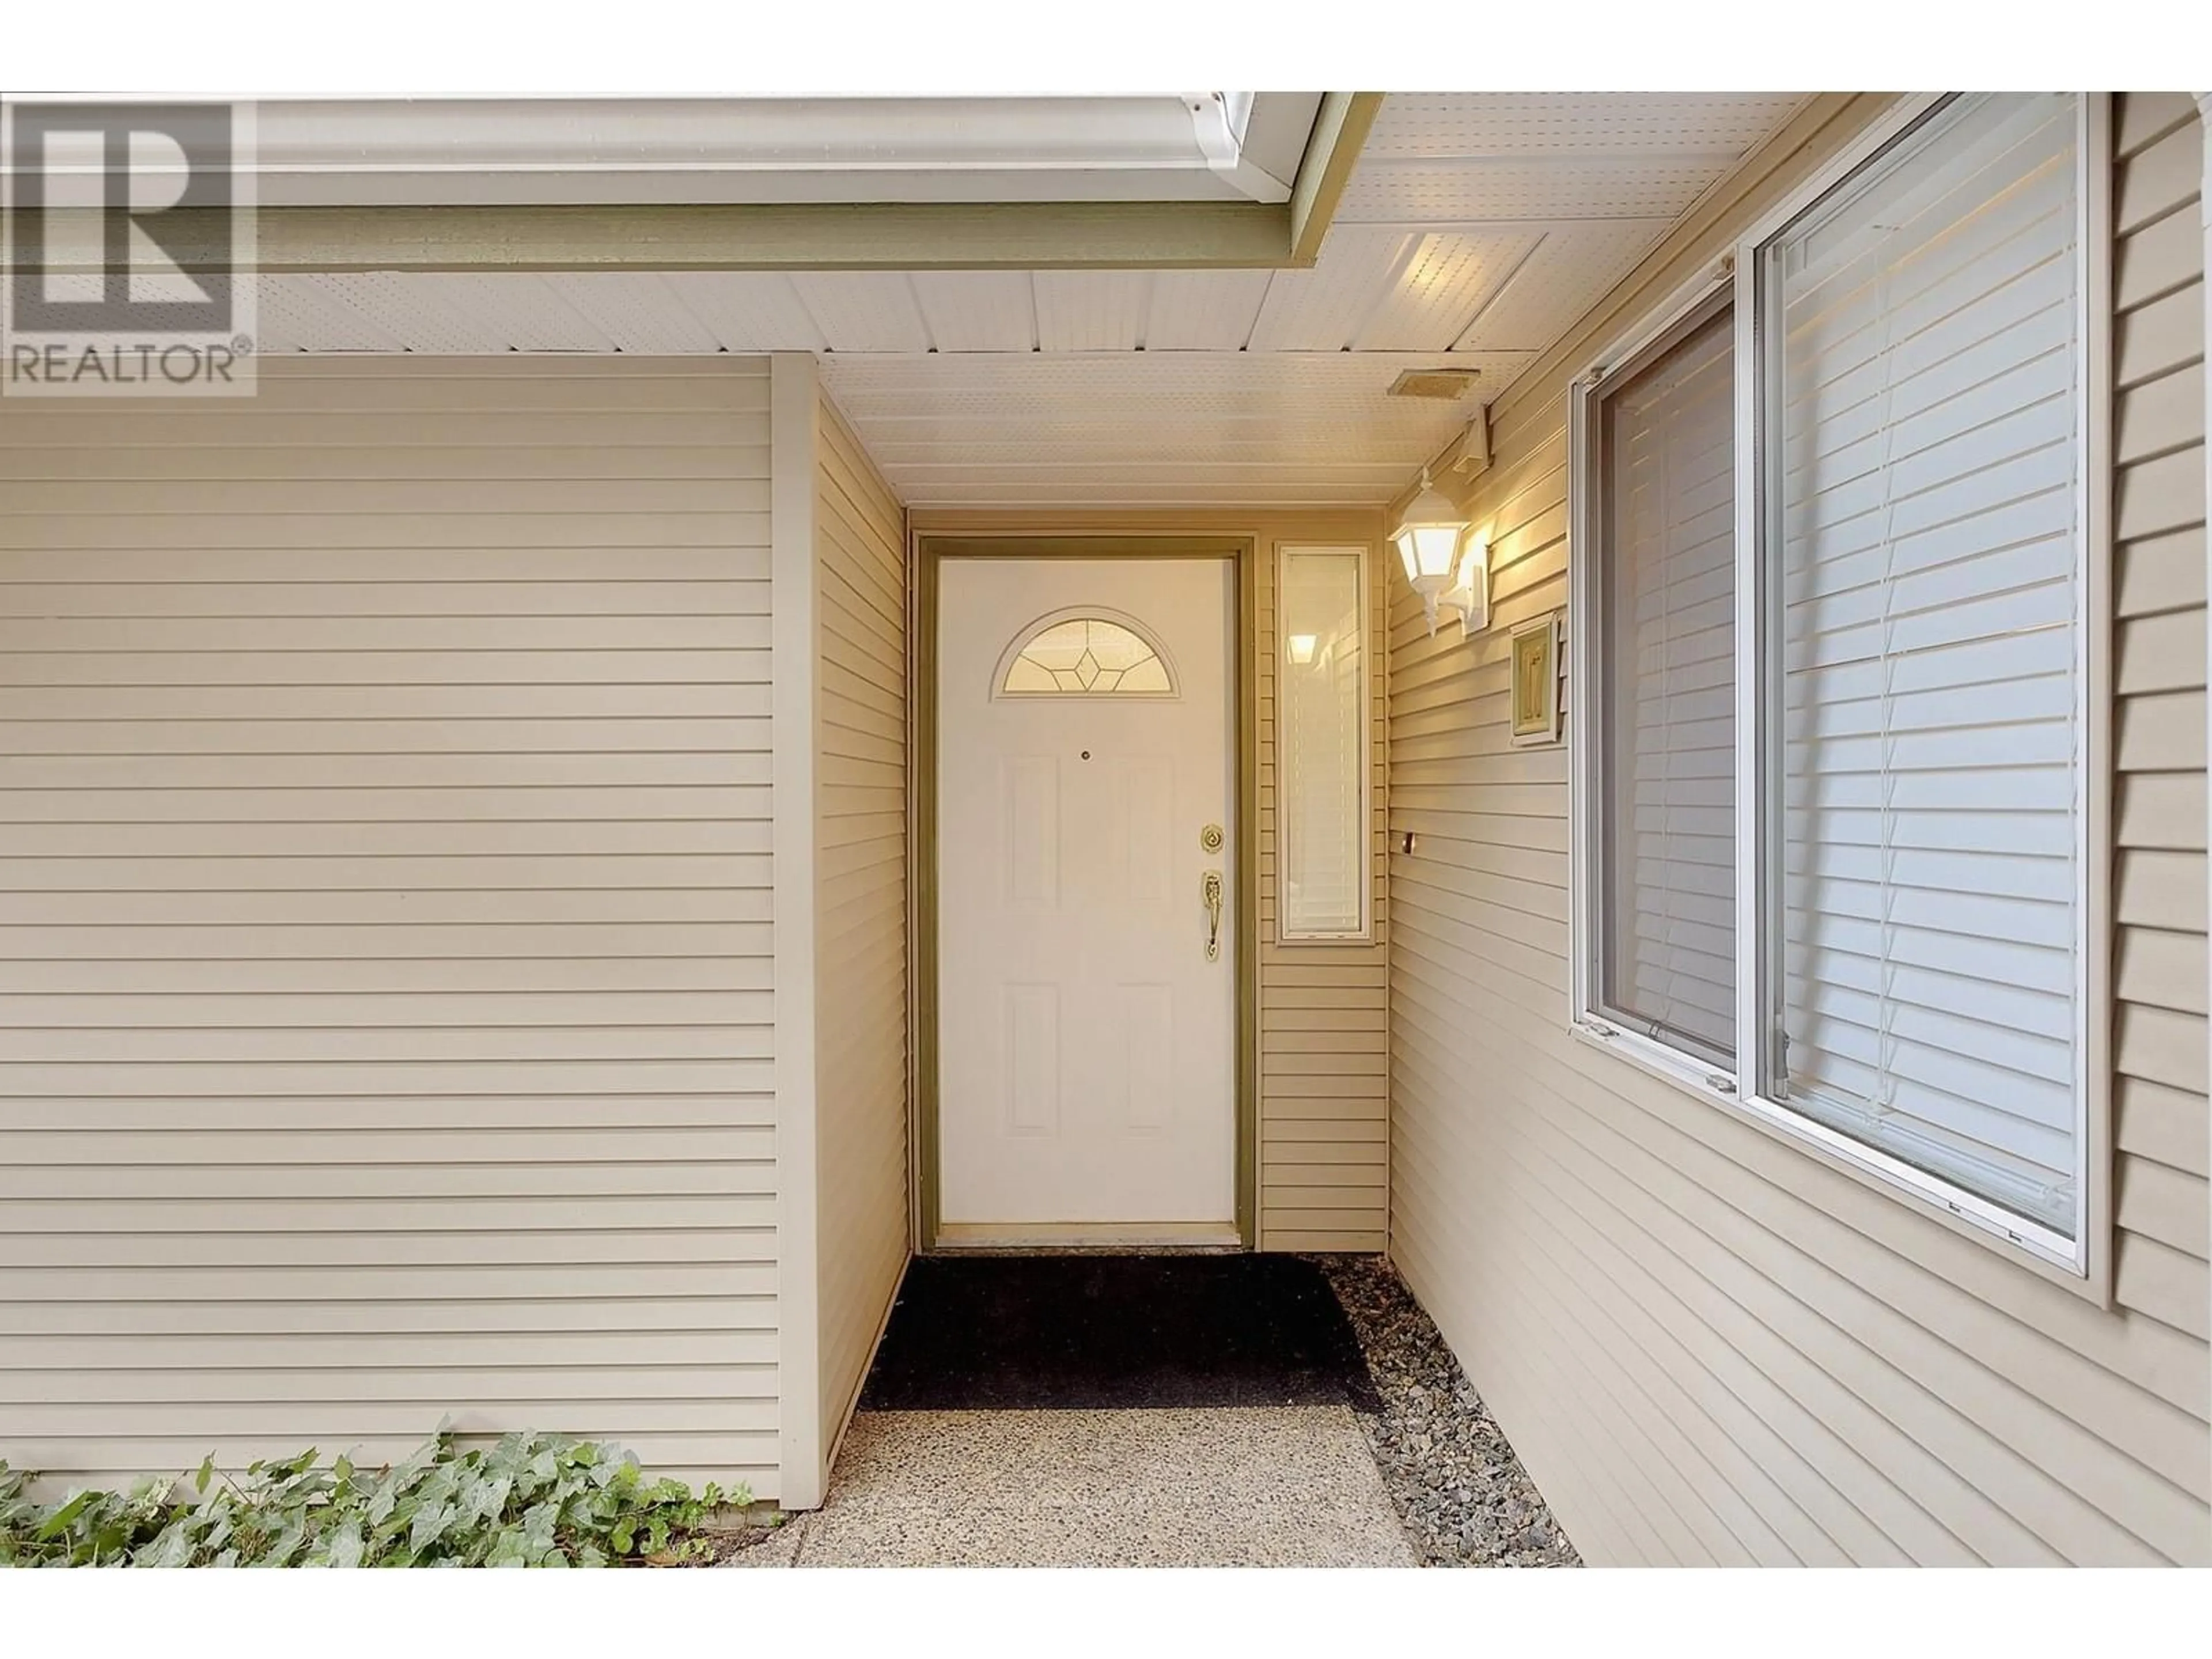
2082, 1259
1285, 832
1704, 296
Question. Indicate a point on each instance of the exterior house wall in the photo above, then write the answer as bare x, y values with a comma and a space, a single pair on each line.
860, 908
1324, 1076
1323, 1136
1708, 1345
2158, 1039
386, 1024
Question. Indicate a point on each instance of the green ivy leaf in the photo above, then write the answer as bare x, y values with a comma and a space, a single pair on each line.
430, 1523
530, 1499
61, 1520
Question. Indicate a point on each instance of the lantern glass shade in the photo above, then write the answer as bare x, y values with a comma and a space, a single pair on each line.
1302, 648
1429, 550
1428, 538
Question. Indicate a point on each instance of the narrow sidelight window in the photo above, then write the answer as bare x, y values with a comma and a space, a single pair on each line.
1322, 711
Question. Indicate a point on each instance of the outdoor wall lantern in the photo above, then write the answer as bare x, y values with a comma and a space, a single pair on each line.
1449, 568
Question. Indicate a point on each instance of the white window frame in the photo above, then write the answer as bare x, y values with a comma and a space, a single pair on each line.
2082, 1261
1365, 932
1585, 670
1757, 800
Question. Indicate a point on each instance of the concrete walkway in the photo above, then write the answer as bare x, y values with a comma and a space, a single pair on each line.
1242, 1486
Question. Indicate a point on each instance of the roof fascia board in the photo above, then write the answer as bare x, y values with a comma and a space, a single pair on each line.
1339, 132
743, 236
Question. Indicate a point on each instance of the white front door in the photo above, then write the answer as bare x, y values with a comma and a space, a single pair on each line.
1086, 1033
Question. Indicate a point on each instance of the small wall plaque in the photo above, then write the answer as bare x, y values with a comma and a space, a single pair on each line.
1535, 711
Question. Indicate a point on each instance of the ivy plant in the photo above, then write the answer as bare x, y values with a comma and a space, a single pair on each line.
532, 1500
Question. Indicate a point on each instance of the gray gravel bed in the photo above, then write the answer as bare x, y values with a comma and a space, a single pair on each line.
1459, 1489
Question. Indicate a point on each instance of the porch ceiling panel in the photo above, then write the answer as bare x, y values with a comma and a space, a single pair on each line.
1552, 158
1568, 270
1093, 310
318, 316
1540, 189
448, 320
1430, 124
865, 310
1475, 229
978, 310
1159, 428
744, 310
1445, 279
1205, 310
523, 309
641, 312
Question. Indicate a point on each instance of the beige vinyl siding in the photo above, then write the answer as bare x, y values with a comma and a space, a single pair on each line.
860, 908
1708, 1344
386, 1018
2159, 1037
1324, 1074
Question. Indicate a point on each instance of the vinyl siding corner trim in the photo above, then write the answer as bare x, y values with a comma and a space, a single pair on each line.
794, 720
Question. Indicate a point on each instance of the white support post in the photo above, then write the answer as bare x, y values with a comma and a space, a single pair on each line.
792, 398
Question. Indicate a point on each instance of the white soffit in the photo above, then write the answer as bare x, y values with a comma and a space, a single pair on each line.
1552, 156
1136, 147
1476, 230
1144, 429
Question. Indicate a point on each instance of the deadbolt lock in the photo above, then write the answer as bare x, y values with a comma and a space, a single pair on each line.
1210, 838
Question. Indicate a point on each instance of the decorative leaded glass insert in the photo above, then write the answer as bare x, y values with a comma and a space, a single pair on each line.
1086, 656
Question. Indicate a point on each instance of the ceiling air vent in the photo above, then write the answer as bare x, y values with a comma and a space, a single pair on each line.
1442, 384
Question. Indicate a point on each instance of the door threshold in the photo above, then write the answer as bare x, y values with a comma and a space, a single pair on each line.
1088, 1236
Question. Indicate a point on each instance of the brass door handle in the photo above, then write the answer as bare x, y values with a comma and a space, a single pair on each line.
1210, 891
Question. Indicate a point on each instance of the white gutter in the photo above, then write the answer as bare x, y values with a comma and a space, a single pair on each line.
1254, 140
1133, 147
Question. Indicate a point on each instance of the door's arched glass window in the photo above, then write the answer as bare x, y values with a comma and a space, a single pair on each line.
1085, 653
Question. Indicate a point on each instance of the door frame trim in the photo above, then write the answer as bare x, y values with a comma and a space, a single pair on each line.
930, 550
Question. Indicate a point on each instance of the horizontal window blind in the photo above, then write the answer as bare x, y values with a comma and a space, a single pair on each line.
1321, 706
1667, 478
1923, 389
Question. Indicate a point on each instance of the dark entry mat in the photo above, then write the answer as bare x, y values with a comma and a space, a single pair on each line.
1112, 1332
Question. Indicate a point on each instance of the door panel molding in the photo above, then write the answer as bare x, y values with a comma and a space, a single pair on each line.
930, 551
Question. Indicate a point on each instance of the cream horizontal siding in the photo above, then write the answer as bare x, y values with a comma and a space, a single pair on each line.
1324, 1072
1708, 1345
860, 908
386, 1005
2158, 659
